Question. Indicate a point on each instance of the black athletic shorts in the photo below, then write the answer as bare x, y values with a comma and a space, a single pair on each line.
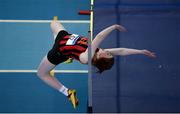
54, 56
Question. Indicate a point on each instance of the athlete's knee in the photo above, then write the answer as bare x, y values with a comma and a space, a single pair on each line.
42, 73
39, 74
53, 23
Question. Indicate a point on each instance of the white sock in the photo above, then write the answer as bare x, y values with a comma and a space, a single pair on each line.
64, 90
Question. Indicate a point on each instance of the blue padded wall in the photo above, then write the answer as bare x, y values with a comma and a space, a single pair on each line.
137, 83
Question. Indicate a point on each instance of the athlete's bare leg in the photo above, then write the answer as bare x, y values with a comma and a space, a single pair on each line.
56, 26
44, 74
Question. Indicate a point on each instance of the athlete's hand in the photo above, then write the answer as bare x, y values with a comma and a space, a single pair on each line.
120, 28
148, 53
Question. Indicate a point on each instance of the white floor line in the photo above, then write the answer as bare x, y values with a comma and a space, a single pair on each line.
34, 71
43, 21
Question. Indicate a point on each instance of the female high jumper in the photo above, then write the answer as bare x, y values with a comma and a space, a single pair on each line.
75, 46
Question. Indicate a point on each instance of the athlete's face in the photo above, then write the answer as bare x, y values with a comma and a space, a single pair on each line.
103, 54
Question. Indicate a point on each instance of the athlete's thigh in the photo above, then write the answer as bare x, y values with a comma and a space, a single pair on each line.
56, 27
45, 66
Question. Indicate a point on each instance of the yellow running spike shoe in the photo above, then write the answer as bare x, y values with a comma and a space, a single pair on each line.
72, 97
55, 18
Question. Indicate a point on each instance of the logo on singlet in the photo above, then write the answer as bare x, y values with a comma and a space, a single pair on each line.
72, 40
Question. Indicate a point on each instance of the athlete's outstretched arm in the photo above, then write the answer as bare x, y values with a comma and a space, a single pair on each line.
103, 34
98, 39
128, 51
